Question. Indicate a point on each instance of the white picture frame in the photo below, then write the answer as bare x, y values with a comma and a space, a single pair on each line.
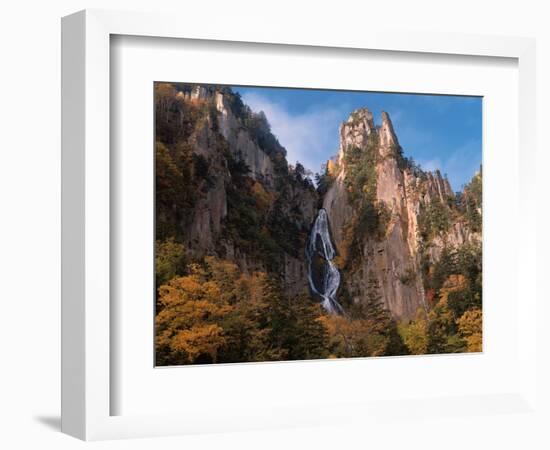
86, 221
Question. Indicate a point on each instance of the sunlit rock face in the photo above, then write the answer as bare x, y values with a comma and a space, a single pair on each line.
222, 136
320, 252
404, 192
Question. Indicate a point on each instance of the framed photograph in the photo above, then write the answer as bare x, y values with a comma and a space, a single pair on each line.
283, 230
291, 224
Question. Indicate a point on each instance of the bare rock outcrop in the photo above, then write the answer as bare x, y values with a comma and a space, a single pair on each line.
241, 201
221, 136
241, 143
404, 192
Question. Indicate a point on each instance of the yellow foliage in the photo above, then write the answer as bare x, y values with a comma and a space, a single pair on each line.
262, 197
340, 335
354, 337
332, 168
452, 284
208, 310
165, 90
441, 311
470, 326
169, 260
191, 306
415, 334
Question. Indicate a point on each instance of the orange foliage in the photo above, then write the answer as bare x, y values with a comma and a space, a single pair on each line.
452, 284
192, 304
201, 339
262, 197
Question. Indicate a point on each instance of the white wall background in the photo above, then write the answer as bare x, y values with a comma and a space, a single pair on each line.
30, 198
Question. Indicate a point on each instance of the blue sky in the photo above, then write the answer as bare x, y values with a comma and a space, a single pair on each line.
439, 132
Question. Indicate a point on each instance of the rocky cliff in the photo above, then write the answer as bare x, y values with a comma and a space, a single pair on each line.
224, 187
389, 219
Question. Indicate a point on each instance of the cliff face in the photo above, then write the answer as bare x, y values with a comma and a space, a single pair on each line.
242, 201
224, 188
375, 187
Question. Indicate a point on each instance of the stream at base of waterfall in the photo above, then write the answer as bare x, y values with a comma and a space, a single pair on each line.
326, 281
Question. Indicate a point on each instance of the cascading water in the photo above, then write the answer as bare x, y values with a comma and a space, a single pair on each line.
320, 245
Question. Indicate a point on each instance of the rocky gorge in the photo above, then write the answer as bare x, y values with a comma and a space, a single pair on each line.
225, 188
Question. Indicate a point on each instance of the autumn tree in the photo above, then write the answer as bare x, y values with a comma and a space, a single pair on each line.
368, 329
383, 336
470, 327
217, 313
170, 260
440, 322
341, 342
415, 334
186, 327
248, 328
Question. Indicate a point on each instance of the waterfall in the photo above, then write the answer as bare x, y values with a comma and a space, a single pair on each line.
319, 244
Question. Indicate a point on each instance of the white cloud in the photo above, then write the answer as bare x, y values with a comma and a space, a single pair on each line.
310, 138
432, 165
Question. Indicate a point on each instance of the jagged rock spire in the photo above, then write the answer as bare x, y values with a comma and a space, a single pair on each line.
355, 130
387, 133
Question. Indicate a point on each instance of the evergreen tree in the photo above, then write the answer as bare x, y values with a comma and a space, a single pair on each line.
310, 336
373, 309
382, 336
